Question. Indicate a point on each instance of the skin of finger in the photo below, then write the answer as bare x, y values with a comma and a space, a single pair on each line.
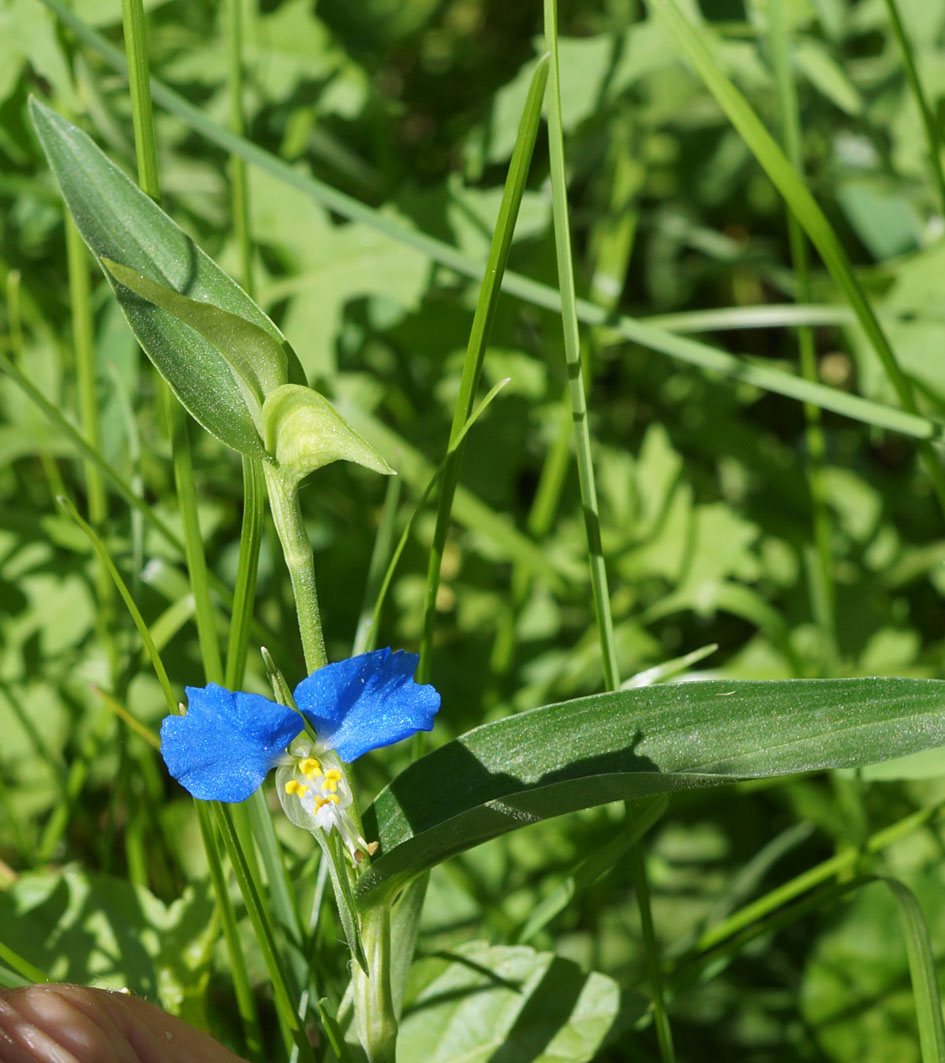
72, 1024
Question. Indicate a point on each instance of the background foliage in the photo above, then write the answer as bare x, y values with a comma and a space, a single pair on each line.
705, 483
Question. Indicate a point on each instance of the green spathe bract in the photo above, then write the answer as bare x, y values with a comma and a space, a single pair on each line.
303, 432
635, 743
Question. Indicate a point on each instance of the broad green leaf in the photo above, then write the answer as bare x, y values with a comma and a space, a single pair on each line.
635, 743
485, 1002
118, 221
303, 431
95, 929
256, 356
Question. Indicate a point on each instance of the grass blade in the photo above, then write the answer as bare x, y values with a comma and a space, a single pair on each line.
928, 1002
476, 348
572, 351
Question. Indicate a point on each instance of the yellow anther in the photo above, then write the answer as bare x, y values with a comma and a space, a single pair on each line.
293, 786
320, 802
310, 767
330, 783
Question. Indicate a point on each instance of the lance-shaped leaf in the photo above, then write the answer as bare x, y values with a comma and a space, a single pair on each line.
257, 357
119, 222
303, 431
631, 744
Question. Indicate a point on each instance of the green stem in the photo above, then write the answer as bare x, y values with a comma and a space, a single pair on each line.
245, 1004
262, 928
661, 1018
82, 333
572, 352
239, 189
376, 1018
193, 541
297, 550
929, 125
476, 348
373, 1001
538, 523
139, 87
365, 636
840, 864
251, 531
80, 298
821, 575
582, 440
241, 617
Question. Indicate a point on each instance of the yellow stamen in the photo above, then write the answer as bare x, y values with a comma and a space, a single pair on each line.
310, 767
293, 786
320, 802
332, 777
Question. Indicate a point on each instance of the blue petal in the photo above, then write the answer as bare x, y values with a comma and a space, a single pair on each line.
366, 702
223, 748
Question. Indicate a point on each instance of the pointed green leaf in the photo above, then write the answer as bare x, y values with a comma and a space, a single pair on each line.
484, 1003
928, 999
303, 431
631, 744
258, 358
118, 221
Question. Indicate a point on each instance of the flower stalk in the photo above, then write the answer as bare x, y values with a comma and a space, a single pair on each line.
297, 550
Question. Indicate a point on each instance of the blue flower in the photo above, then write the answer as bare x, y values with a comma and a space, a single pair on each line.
226, 744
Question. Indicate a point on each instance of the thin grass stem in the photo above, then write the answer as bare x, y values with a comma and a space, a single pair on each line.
572, 351
365, 636
263, 930
239, 189
297, 551
837, 865
135, 29
476, 348
244, 590
28, 971
820, 573
582, 441
664, 1033
245, 1002
930, 127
